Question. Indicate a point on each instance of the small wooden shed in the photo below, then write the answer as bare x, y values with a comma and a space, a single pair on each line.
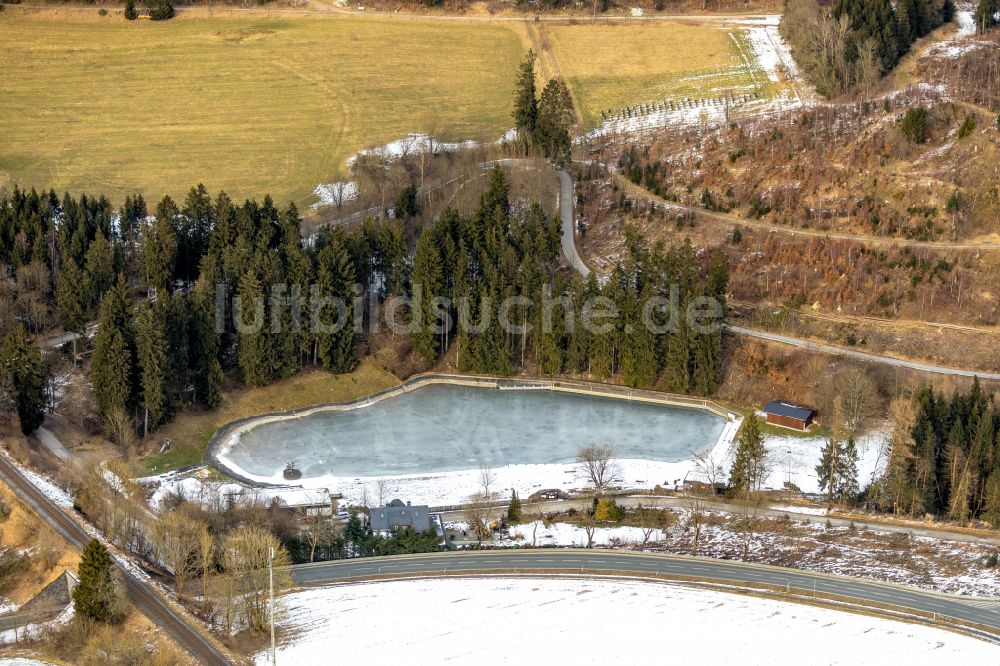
789, 415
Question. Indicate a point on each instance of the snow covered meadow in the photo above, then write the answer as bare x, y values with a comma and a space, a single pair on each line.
567, 620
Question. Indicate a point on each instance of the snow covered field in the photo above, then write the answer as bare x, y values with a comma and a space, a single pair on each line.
593, 621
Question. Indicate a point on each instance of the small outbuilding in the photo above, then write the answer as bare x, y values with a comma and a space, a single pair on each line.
789, 415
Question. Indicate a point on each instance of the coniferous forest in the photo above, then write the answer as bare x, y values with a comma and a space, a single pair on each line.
186, 296
945, 457
847, 46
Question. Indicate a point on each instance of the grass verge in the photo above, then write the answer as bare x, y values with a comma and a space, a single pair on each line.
190, 432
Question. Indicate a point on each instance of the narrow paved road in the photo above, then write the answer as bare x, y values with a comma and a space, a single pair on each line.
633, 501
645, 564
139, 592
53, 445
566, 213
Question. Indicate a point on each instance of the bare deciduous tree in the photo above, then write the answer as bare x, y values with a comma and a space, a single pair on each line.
118, 425
711, 472
246, 554
748, 520
859, 398
597, 463
323, 526
481, 502
381, 489
175, 538
650, 520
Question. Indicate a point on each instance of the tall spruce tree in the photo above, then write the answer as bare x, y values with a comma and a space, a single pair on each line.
526, 98
749, 469
72, 301
428, 276
112, 365
205, 341
95, 595
151, 356
837, 470
21, 362
252, 348
159, 246
554, 121
335, 275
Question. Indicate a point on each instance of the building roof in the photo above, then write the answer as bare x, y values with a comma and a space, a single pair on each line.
789, 410
384, 518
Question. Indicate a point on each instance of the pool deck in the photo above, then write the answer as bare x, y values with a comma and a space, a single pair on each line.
225, 435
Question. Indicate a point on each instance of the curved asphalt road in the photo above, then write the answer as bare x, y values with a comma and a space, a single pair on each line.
981, 613
568, 240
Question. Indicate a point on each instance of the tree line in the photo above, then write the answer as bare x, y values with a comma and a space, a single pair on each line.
945, 458
543, 122
156, 285
849, 45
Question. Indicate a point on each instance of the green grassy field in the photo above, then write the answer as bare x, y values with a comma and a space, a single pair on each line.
608, 66
247, 104
255, 104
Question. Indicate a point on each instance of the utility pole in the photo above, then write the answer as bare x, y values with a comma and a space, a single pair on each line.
270, 576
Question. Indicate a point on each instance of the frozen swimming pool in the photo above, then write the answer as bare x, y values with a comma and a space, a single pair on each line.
443, 427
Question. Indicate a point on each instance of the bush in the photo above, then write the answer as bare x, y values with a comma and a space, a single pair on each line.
608, 510
102, 11
13, 565
130, 12
915, 124
4, 510
161, 11
967, 127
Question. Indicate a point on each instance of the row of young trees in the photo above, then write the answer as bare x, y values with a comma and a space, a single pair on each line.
945, 457
852, 43
543, 122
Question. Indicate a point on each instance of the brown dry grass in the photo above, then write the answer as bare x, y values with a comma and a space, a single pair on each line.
250, 103
23, 529
190, 432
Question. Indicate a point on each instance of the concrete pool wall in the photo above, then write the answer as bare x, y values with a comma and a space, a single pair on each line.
229, 435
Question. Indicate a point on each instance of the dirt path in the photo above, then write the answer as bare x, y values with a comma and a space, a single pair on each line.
988, 245
904, 324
